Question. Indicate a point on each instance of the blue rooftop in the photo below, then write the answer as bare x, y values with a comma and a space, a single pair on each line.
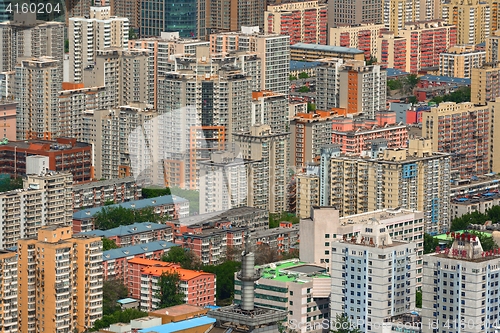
394, 72
136, 204
134, 250
126, 300
303, 65
446, 79
180, 326
325, 48
123, 230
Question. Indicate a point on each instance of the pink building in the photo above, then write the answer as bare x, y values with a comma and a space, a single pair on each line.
354, 134
8, 120
144, 275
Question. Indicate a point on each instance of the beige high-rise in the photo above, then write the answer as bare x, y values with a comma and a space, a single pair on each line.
59, 281
472, 18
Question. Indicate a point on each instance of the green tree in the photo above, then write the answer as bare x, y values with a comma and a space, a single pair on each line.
9, 184
304, 89
394, 84
430, 243
487, 242
409, 83
292, 78
225, 279
108, 244
109, 203
342, 324
169, 293
311, 107
275, 219
412, 99
114, 216
460, 95
66, 45
132, 34
186, 258
303, 75
112, 291
463, 222
371, 61
418, 299
494, 214
155, 192
119, 316
292, 254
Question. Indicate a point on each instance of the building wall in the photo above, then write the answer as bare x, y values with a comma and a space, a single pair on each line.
471, 17
460, 62
307, 194
353, 12
8, 120
8, 288
363, 37
494, 146
485, 84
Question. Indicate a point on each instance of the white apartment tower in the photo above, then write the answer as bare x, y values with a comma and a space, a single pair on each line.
37, 109
460, 289
374, 278
88, 35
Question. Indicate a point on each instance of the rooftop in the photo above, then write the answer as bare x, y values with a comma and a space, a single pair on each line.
477, 198
380, 215
446, 79
292, 271
107, 182
179, 310
45, 145
325, 48
127, 300
303, 65
131, 251
136, 204
394, 72
447, 237
275, 231
180, 326
125, 230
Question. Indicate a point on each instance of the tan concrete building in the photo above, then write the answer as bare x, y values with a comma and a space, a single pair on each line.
129, 9
307, 195
37, 109
363, 37
492, 48
8, 289
270, 173
88, 35
43, 39
231, 15
270, 108
460, 60
494, 145
485, 84
462, 130
472, 18
414, 178
325, 227
304, 22
50, 267
353, 12
398, 12
124, 73
8, 125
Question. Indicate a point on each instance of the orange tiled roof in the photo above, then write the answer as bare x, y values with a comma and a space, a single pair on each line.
185, 274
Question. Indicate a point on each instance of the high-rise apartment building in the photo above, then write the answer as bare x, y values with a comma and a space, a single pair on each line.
96, 33
352, 12
363, 37
271, 109
109, 130
414, 178
494, 146
304, 22
123, 73
485, 84
309, 132
189, 18
37, 109
460, 288
161, 49
398, 12
231, 15
425, 42
8, 125
268, 150
364, 92
463, 130
50, 267
129, 9
272, 49
492, 48
307, 194
42, 39
472, 18
373, 278
8, 288
460, 60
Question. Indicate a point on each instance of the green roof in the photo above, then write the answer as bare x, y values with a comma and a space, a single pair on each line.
445, 237
290, 271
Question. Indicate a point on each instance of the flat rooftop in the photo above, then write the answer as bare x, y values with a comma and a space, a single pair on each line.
380, 215
325, 48
220, 215
292, 271
179, 310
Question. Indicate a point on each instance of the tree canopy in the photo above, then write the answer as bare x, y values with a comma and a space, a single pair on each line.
112, 291
225, 279
430, 244
342, 324
155, 192
120, 316
184, 257
462, 222
169, 293
114, 216
460, 95
108, 244
418, 299
275, 219
9, 184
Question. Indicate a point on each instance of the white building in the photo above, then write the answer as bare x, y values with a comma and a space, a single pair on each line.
374, 278
460, 289
89, 35
326, 227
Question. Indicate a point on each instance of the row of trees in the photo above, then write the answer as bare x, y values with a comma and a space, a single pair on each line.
9, 184
113, 217
460, 95
404, 84
302, 75
431, 243
462, 222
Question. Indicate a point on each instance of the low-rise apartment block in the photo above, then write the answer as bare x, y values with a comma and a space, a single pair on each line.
363, 37
44, 200
485, 84
477, 203
98, 193
354, 135
374, 278
468, 187
459, 61
281, 239
115, 261
300, 288
325, 226
144, 275
304, 22
168, 205
137, 233
313, 52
